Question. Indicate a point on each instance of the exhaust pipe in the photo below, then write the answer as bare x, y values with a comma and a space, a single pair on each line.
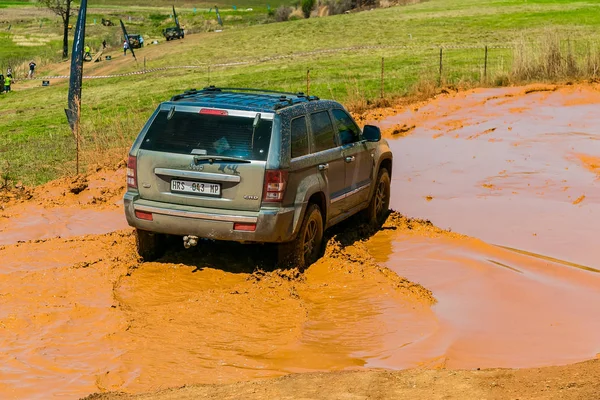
190, 241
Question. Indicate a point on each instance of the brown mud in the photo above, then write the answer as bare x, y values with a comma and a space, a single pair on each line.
80, 313
572, 382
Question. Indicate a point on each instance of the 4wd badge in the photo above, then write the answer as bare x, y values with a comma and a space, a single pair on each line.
249, 197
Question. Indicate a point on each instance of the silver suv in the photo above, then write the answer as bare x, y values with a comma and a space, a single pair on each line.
253, 166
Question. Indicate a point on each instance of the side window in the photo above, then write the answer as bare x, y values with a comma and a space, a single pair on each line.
347, 129
299, 137
322, 129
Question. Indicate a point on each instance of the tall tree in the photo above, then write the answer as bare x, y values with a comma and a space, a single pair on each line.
64, 9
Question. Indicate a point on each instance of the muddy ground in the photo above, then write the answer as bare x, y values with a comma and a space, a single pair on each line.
82, 314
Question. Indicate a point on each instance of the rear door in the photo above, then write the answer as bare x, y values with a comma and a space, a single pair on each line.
357, 157
204, 158
329, 159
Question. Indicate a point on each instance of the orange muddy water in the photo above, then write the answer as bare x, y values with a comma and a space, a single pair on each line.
80, 313
509, 167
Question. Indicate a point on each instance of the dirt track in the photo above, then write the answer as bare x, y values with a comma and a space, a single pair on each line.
81, 314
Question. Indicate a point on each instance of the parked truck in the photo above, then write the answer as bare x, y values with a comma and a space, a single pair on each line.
174, 32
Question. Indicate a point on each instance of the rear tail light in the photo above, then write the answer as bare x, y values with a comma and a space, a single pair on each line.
132, 172
239, 226
275, 183
143, 215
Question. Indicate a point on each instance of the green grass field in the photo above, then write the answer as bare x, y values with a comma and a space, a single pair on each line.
36, 144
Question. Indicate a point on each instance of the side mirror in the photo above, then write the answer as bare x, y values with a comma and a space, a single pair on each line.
371, 133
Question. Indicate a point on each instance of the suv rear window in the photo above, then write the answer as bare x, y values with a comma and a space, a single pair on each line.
213, 135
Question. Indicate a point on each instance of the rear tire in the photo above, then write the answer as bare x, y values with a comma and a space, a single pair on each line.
306, 248
150, 245
378, 209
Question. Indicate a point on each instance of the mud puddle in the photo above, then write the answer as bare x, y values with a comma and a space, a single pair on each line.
496, 307
82, 315
42, 223
67, 207
58, 314
223, 325
517, 167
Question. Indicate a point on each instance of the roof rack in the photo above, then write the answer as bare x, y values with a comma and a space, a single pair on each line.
220, 89
214, 89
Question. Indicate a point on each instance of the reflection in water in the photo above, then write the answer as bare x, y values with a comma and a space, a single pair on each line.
518, 171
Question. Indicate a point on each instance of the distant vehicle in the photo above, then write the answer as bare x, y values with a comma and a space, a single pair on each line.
253, 166
136, 41
174, 32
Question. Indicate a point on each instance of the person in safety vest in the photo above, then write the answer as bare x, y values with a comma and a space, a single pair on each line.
7, 82
86, 52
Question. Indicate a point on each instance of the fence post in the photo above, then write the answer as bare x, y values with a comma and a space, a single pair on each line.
441, 64
144, 64
485, 79
382, 73
308, 81
208, 76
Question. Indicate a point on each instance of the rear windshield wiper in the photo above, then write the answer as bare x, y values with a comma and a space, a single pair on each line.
213, 159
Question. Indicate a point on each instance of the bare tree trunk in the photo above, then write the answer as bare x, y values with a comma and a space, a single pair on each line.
66, 17
66, 40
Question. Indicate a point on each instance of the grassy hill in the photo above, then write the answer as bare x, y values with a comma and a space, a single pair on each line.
343, 54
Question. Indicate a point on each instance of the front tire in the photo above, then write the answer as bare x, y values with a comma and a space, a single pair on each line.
378, 209
306, 248
150, 245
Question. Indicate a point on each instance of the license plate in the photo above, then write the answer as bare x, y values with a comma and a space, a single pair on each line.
209, 189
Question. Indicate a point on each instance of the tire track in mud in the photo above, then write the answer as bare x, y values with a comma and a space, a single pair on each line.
227, 322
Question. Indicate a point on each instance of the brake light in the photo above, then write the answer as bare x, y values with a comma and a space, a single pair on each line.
212, 111
275, 183
239, 226
132, 172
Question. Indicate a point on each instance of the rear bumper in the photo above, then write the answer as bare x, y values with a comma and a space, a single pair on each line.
273, 225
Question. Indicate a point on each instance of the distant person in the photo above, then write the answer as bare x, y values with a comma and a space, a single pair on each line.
125, 47
7, 82
86, 52
9, 72
32, 66
1, 83
104, 44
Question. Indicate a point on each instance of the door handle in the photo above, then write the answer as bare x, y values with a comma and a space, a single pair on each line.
323, 167
349, 159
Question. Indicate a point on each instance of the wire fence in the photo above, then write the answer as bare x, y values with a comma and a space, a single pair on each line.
357, 76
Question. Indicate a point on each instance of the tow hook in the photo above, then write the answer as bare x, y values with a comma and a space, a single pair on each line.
190, 241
